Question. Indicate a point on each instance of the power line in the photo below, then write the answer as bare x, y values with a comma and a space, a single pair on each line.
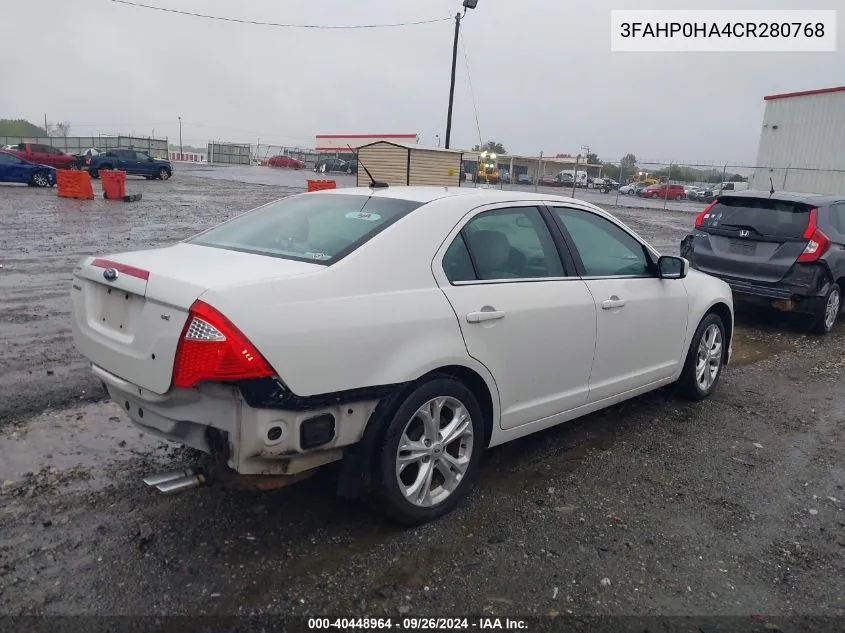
471, 91
276, 24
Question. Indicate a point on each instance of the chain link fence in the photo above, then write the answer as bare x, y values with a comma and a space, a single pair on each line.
156, 147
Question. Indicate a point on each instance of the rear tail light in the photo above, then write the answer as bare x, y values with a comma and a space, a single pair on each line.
700, 218
212, 348
818, 242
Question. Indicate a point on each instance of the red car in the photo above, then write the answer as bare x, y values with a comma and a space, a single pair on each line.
286, 161
45, 155
671, 192
549, 181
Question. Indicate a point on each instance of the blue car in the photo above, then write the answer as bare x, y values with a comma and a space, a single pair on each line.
15, 169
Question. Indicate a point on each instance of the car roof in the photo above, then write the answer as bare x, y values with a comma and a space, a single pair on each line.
786, 196
473, 195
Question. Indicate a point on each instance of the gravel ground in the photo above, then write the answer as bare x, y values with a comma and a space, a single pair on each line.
733, 506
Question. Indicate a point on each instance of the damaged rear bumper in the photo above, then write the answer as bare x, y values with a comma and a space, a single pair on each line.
215, 419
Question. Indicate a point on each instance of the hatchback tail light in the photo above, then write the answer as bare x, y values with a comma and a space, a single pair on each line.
818, 242
700, 219
212, 348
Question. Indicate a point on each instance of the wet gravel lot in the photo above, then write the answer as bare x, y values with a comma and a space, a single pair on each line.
656, 506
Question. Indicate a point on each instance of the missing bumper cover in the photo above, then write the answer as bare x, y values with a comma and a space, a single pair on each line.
316, 431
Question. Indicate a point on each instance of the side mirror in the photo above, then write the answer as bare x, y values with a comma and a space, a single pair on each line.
671, 267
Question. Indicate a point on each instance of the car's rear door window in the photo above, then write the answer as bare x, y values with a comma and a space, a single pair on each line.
762, 217
318, 228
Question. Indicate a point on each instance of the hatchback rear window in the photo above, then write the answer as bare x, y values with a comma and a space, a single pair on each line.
762, 216
318, 228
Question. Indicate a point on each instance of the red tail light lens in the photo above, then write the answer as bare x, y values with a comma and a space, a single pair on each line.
212, 348
700, 218
818, 242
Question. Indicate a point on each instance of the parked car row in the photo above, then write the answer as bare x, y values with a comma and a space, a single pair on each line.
700, 193
93, 160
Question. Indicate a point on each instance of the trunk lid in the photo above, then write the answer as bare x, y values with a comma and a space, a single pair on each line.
130, 323
756, 239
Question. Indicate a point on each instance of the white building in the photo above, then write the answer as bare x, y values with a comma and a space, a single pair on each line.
802, 143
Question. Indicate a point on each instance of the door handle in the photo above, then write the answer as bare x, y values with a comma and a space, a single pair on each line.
612, 303
484, 315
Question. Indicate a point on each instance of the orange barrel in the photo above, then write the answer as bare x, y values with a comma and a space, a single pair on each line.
318, 185
114, 184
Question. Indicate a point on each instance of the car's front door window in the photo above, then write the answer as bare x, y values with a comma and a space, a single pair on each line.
605, 249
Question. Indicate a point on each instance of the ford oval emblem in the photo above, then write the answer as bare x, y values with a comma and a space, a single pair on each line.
110, 274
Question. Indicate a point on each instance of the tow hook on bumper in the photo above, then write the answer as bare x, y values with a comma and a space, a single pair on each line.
181, 480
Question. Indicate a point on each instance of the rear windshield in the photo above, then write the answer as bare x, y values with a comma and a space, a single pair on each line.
761, 216
318, 228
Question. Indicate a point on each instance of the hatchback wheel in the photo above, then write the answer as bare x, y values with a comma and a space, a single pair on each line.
704, 362
430, 452
163, 173
829, 312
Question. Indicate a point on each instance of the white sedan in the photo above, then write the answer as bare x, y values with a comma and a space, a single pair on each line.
401, 330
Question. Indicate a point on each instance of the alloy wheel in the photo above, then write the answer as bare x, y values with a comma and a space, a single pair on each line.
709, 357
831, 309
434, 452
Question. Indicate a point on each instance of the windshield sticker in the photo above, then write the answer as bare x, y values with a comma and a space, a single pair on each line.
364, 215
314, 255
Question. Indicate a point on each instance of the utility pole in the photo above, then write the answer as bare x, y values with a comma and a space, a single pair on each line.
575, 174
452, 83
180, 139
468, 4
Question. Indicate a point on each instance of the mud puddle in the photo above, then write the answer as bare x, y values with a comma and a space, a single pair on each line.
84, 439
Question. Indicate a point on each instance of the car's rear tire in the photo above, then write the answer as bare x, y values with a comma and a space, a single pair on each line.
830, 309
40, 179
163, 173
428, 454
705, 359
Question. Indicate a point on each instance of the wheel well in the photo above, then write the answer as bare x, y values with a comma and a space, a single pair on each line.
723, 312
841, 283
475, 383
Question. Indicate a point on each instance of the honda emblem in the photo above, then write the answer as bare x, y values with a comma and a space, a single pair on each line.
744, 233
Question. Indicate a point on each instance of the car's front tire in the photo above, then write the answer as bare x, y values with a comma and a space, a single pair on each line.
705, 359
429, 452
163, 173
829, 311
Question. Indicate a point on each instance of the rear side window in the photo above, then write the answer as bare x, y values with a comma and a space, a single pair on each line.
763, 216
318, 228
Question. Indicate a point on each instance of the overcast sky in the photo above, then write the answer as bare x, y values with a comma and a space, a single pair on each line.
542, 71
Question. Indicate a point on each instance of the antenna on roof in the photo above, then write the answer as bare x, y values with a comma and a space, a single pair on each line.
374, 184
772, 187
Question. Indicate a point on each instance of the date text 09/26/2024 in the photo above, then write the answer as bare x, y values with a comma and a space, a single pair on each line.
416, 624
